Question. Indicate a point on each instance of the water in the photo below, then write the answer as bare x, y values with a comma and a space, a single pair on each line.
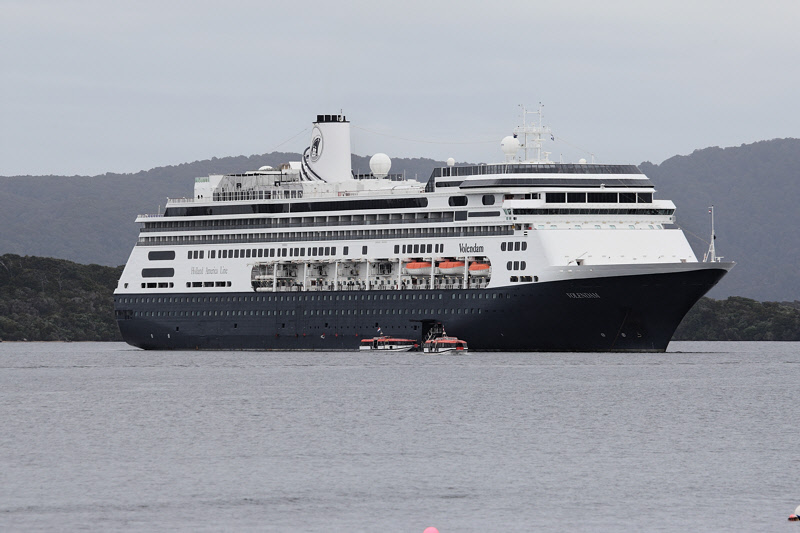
100, 436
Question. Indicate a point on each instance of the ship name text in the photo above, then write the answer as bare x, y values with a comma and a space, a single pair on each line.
470, 249
582, 295
199, 271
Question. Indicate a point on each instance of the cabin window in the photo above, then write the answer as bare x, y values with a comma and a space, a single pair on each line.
602, 197
576, 197
627, 198
161, 256
457, 201
488, 199
555, 198
645, 197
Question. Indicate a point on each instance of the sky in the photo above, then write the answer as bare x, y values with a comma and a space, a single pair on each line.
90, 87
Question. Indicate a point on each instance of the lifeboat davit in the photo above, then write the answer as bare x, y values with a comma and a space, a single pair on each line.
451, 268
419, 268
479, 269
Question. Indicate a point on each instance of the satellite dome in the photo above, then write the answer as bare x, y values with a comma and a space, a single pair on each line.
266, 167
450, 161
510, 146
581, 161
380, 164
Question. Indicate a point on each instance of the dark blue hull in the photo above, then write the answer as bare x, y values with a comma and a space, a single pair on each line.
624, 313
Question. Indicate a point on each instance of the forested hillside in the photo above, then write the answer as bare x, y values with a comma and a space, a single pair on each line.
756, 191
45, 299
740, 319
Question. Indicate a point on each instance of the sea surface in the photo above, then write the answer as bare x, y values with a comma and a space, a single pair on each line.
106, 437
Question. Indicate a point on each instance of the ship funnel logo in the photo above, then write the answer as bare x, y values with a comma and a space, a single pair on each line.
316, 145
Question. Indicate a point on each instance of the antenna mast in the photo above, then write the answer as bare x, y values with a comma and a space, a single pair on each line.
536, 131
711, 254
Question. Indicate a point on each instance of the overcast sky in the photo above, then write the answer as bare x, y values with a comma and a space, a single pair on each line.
90, 87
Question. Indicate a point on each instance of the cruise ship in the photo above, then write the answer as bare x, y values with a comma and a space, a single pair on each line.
523, 255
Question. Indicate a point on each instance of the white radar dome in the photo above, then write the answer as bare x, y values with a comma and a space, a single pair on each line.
509, 145
450, 161
380, 164
581, 161
266, 167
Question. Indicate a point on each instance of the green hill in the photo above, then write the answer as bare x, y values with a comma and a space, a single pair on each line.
740, 319
45, 299
756, 191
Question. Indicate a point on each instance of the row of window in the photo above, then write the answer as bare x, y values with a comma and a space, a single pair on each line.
313, 251
551, 168
419, 248
515, 279
394, 233
271, 194
516, 265
196, 284
599, 197
477, 295
512, 246
306, 312
300, 221
193, 284
587, 211
297, 207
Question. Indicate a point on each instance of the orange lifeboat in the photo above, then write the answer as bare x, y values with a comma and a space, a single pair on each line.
479, 269
452, 268
419, 268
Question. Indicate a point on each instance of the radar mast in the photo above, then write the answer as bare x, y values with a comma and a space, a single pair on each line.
536, 132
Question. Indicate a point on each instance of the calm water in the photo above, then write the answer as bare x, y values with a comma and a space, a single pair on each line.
100, 436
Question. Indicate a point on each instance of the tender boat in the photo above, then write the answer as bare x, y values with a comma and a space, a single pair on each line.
445, 345
388, 344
